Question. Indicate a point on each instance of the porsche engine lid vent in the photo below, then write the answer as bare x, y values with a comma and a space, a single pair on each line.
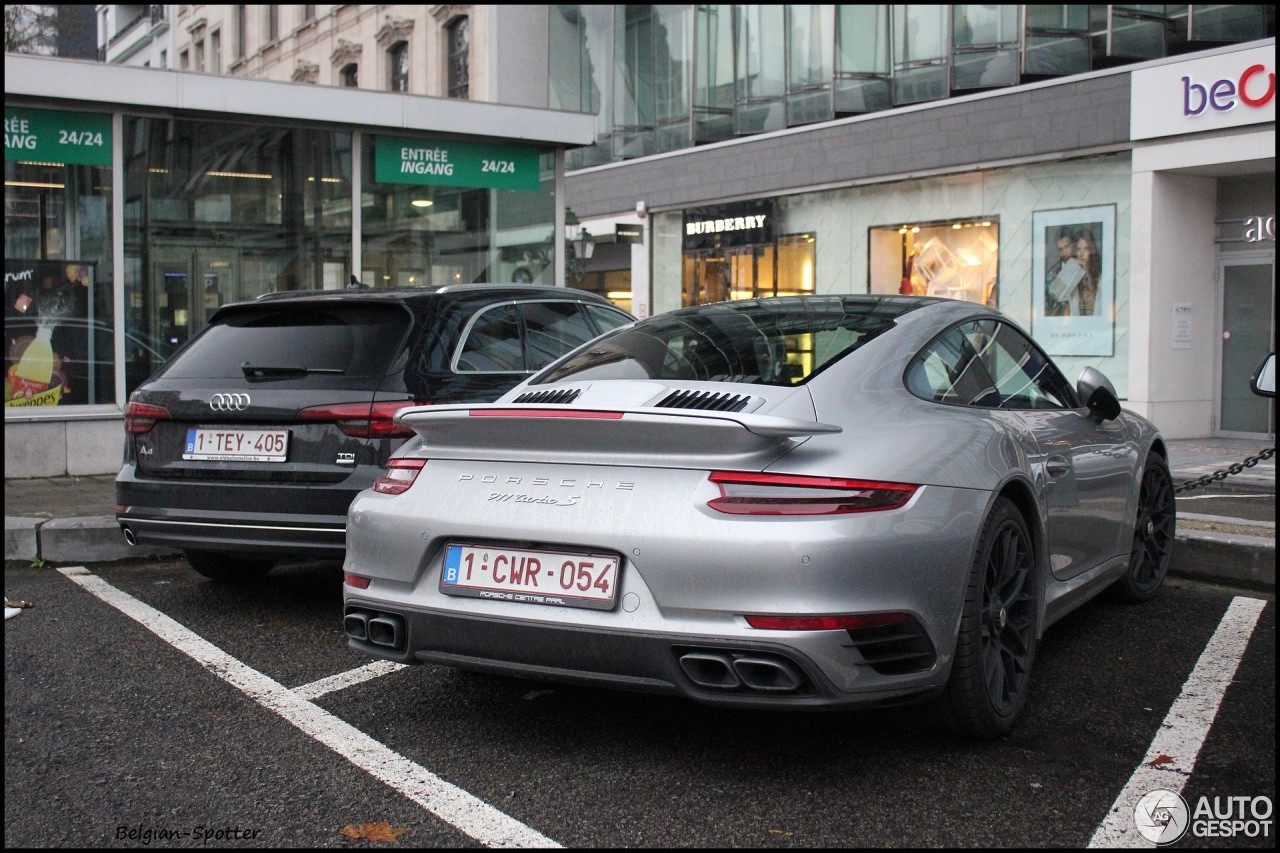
707, 400
565, 396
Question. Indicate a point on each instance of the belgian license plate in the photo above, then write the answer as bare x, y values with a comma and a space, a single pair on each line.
237, 445
534, 577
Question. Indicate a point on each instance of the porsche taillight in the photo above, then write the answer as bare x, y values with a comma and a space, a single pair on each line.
363, 420
829, 623
398, 476
753, 493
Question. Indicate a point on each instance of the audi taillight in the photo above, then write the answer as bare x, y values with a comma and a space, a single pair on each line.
363, 420
399, 476
139, 418
750, 493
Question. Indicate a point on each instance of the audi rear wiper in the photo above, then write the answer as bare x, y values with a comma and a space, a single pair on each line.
259, 371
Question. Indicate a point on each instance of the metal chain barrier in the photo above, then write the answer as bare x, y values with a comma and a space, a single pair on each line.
1223, 473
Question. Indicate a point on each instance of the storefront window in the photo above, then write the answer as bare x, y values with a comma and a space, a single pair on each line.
59, 282
218, 212
440, 212
730, 252
956, 259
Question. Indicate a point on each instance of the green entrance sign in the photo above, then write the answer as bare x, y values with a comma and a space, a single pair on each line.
53, 136
400, 160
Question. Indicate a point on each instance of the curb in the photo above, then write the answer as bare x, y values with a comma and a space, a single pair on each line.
86, 539
1245, 561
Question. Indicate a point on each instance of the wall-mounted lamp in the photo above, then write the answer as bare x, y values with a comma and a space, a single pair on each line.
584, 245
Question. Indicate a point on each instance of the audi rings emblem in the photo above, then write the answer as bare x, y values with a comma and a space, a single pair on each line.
229, 402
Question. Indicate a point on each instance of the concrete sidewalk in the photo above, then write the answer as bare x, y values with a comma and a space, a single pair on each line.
71, 519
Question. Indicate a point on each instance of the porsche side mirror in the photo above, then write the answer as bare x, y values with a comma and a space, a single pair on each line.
1098, 394
1264, 378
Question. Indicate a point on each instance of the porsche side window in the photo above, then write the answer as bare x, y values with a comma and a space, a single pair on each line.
987, 364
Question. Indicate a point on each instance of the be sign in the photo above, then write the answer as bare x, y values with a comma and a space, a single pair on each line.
1256, 88
1235, 88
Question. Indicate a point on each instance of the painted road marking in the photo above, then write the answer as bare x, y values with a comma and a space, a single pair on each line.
350, 678
451, 804
1177, 744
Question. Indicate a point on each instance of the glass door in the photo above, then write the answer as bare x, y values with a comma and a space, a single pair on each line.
750, 272
170, 297
1248, 320
187, 285
219, 283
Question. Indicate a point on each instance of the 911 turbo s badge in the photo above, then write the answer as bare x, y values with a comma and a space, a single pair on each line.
546, 500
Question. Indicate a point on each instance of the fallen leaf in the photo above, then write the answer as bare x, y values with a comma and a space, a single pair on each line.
1160, 759
8, 602
781, 832
381, 831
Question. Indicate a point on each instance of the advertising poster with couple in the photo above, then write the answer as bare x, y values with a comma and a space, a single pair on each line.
1073, 271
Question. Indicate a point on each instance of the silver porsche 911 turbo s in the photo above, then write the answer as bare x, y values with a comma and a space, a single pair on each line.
784, 502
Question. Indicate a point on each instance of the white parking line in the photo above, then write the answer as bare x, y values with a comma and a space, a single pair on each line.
1173, 752
448, 802
350, 678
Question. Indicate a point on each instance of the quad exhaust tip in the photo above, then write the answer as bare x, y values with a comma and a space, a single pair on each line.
750, 671
379, 629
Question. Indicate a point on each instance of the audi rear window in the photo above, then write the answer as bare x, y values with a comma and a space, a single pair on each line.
308, 344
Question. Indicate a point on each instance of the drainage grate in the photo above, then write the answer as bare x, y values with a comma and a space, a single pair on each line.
559, 397
706, 400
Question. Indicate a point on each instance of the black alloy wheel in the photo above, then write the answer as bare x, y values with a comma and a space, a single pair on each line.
1153, 534
996, 646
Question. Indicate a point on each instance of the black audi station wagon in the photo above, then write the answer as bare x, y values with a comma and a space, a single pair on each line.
251, 442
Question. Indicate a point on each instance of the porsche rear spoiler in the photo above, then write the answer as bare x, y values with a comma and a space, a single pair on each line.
642, 435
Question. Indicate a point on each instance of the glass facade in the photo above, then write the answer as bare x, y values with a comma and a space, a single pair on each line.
959, 237
59, 282
427, 235
216, 212
663, 77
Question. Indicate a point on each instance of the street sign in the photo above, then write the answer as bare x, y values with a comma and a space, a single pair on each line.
55, 136
404, 160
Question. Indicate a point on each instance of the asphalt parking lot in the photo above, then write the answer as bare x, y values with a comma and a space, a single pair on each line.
145, 705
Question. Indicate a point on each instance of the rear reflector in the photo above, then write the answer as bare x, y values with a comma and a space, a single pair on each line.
545, 413
751, 493
363, 420
355, 580
139, 418
399, 476
827, 623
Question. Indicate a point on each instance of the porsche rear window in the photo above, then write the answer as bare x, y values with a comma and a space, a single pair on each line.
314, 346
780, 341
